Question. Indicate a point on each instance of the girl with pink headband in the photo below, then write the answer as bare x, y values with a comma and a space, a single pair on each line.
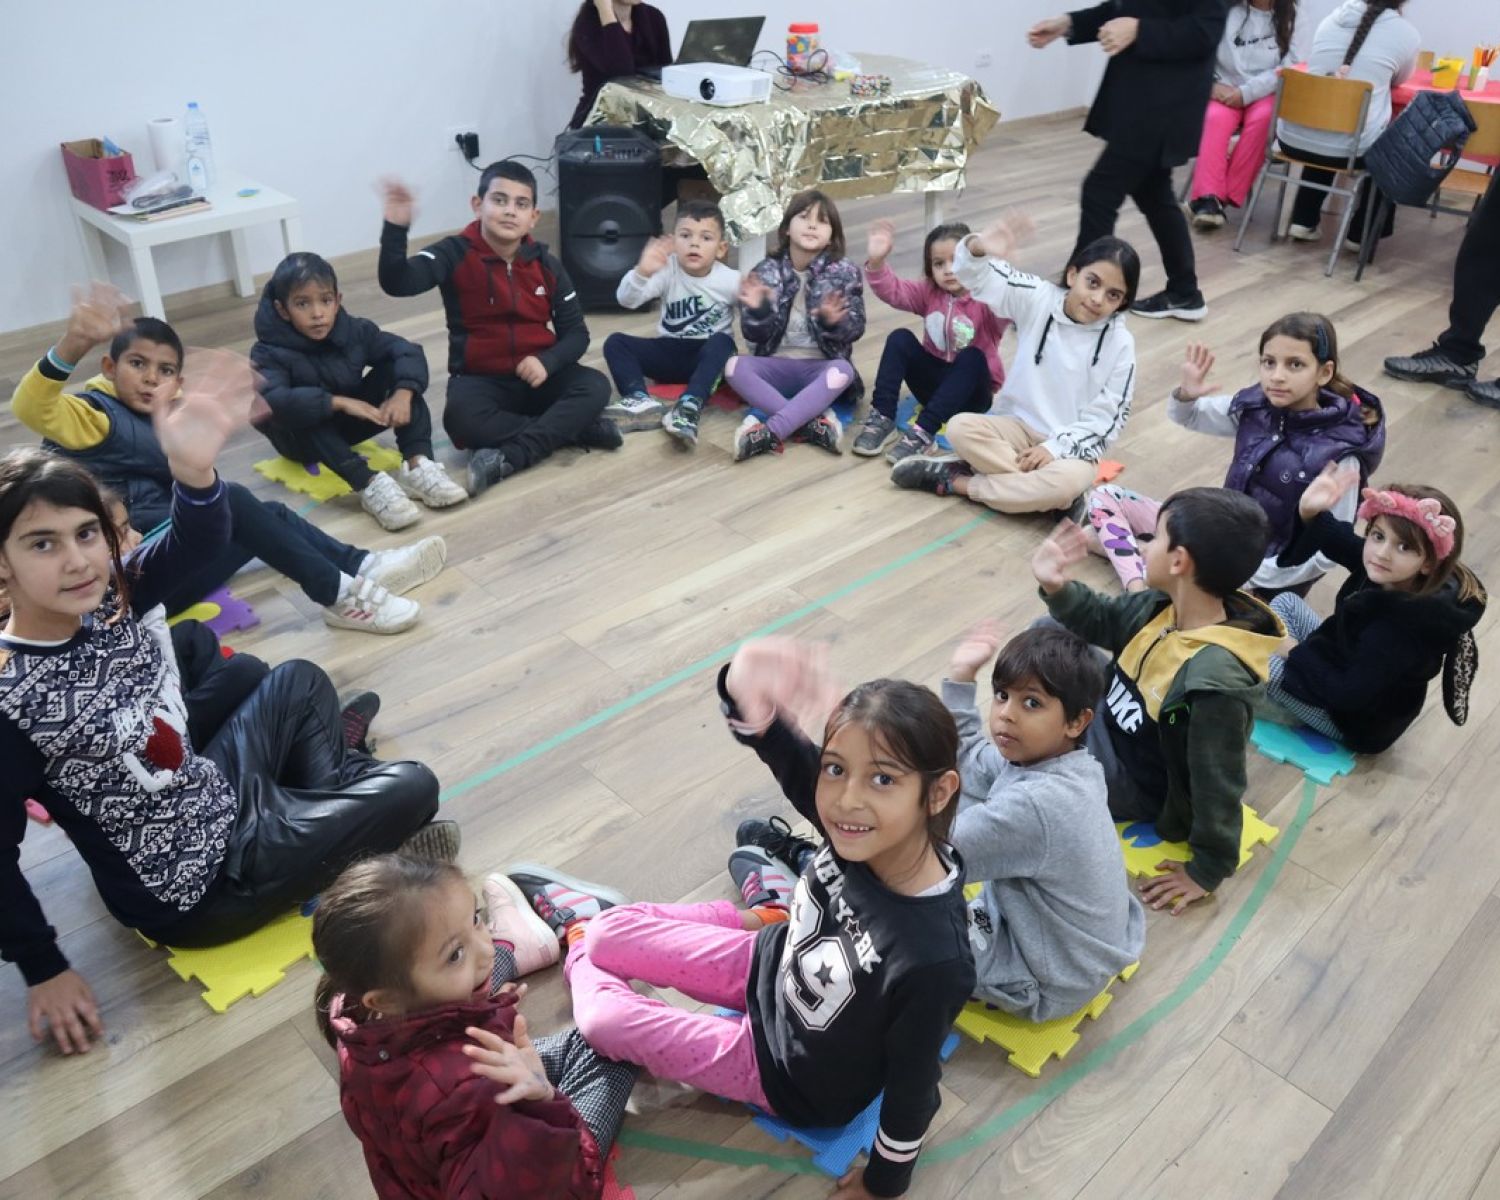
1405, 614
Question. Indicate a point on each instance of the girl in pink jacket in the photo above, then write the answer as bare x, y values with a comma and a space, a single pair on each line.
954, 368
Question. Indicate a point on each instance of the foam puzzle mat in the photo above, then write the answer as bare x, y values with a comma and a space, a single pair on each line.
727, 399
906, 413
250, 966
221, 610
1144, 848
1032, 1044
1317, 757
316, 480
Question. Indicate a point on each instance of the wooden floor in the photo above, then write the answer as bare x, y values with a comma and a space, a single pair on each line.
1333, 1034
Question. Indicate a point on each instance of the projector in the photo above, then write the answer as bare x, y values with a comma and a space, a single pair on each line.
716, 83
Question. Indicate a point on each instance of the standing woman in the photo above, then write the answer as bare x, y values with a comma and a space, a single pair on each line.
1149, 113
1257, 43
611, 39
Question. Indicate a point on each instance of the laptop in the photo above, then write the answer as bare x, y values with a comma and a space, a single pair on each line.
728, 40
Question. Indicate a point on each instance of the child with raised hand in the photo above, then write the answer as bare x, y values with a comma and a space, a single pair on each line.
954, 368
1068, 393
695, 336
854, 994
801, 311
439, 1078
1302, 415
1190, 657
1054, 920
1405, 615
236, 831
107, 427
331, 380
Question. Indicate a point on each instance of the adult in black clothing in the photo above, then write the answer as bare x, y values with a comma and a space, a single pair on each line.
611, 39
1149, 113
1454, 358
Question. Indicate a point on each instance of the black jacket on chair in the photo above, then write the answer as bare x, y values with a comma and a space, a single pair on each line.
1151, 102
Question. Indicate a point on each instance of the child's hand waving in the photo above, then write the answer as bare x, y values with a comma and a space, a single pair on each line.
1197, 362
833, 309
1327, 489
654, 255
1001, 237
879, 242
217, 388
782, 676
98, 314
516, 1066
1055, 557
400, 203
754, 292
977, 648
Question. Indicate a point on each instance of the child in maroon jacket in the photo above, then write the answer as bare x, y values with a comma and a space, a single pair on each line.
449, 1096
516, 390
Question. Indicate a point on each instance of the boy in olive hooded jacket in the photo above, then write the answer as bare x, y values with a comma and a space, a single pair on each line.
1190, 658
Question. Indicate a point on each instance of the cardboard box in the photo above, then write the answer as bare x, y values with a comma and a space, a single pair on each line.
94, 177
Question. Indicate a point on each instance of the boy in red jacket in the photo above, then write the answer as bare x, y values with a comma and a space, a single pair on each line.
516, 391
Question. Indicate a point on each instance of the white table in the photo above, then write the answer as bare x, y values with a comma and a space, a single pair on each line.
231, 213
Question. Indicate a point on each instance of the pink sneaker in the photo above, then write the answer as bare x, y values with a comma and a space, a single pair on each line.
512, 920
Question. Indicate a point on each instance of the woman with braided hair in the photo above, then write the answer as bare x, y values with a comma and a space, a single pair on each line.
1361, 39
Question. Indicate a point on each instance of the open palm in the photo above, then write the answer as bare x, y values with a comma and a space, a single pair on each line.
193, 428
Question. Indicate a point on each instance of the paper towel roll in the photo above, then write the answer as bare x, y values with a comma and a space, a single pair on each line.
168, 144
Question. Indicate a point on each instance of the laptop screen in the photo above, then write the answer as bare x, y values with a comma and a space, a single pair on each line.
729, 40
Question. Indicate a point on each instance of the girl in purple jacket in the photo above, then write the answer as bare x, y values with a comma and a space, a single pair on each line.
954, 368
801, 310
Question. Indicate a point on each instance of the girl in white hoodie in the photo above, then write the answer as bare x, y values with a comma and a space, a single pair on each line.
1067, 394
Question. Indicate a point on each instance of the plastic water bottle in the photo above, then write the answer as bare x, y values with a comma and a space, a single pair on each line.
200, 151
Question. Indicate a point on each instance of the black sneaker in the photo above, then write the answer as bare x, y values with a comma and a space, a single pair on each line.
601, 434
913, 441
1487, 394
1434, 365
753, 438
682, 421
1189, 307
873, 435
762, 879
777, 839
487, 468
927, 474
823, 432
1208, 212
357, 714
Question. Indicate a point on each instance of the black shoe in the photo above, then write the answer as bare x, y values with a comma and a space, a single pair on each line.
1487, 394
603, 434
1189, 307
1208, 212
357, 713
1434, 365
487, 468
823, 432
924, 473
776, 838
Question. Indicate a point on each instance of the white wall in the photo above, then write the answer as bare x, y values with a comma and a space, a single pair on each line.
1450, 27
317, 100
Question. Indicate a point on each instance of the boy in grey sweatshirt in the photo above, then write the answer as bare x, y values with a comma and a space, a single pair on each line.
1055, 918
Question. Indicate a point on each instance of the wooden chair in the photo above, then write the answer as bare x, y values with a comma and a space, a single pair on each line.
1328, 105
1483, 146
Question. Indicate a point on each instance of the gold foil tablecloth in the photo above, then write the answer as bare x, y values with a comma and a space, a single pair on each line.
917, 138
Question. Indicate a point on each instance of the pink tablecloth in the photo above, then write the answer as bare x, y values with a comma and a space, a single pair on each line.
1421, 81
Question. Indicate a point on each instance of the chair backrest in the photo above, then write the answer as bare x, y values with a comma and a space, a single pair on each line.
1324, 102
1424, 60
1484, 143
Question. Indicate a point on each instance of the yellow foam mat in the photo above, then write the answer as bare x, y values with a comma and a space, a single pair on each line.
251, 966
1033, 1043
319, 482
1143, 849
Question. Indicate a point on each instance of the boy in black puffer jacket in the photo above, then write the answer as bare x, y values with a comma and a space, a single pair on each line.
332, 380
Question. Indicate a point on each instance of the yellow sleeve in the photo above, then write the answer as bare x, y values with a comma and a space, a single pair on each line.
41, 405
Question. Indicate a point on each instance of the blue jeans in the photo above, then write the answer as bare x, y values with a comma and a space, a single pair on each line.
945, 389
697, 362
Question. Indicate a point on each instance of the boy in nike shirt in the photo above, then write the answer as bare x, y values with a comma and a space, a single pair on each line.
1190, 658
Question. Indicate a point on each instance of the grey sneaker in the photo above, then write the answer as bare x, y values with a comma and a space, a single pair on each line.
486, 468
1434, 365
761, 877
753, 438
823, 432
635, 411
924, 473
913, 441
1487, 393
682, 421
439, 841
873, 435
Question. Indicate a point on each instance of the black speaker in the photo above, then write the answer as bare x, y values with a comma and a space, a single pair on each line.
609, 202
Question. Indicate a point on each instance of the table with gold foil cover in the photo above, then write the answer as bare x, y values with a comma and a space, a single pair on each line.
916, 138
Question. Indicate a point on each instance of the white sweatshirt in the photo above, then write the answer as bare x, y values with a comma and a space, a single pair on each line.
691, 306
1210, 414
1248, 54
1072, 383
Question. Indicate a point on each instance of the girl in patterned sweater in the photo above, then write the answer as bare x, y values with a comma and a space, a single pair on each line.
191, 845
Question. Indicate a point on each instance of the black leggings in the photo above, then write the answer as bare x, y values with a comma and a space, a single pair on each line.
308, 805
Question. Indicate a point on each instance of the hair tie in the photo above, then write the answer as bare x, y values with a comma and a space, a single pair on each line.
1321, 349
1426, 514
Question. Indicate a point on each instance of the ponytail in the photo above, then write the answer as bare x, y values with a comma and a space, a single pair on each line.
1373, 9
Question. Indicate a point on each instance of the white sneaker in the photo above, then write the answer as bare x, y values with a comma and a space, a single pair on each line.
1302, 233
384, 500
429, 483
637, 406
406, 567
370, 608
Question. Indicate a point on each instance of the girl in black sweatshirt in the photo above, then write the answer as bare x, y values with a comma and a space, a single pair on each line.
1405, 614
